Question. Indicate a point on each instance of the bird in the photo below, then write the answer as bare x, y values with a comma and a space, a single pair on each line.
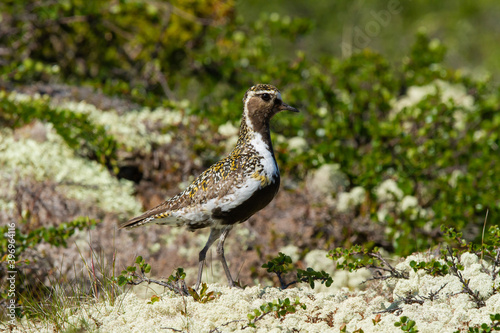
233, 189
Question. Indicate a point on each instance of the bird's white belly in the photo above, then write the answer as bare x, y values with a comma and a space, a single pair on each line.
202, 214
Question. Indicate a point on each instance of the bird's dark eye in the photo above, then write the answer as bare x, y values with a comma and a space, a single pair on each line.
265, 97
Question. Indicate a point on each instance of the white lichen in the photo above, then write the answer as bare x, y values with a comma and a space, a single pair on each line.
326, 181
453, 95
297, 145
326, 310
408, 202
76, 177
131, 129
388, 190
228, 129
347, 201
292, 251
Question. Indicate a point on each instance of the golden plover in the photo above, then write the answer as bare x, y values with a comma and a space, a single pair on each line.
233, 189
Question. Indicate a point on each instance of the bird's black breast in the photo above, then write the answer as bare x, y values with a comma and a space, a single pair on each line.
259, 199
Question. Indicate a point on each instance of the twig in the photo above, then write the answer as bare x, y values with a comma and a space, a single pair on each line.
482, 236
284, 285
495, 270
216, 329
476, 298
178, 288
393, 272
412, 299
433, 294
256, 319
171, 328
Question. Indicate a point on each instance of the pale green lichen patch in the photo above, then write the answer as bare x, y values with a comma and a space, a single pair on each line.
135, 129
76, 177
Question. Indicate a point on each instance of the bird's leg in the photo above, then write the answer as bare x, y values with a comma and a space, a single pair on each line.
214, 234
220, 254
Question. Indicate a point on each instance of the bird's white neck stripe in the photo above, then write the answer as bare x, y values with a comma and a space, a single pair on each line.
268, 160
246, 118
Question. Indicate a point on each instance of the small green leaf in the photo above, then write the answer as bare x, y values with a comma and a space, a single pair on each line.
154, 299
122, 280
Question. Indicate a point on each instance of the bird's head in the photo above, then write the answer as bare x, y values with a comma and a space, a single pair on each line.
261, 102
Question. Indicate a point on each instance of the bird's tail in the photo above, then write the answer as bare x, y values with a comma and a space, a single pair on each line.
155, 215
133, 223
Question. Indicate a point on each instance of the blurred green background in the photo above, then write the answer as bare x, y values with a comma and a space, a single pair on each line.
157, 48
469, 29
399, 132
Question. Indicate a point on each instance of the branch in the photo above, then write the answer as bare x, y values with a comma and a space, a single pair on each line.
171, 328
433, 294
216, 329
179, 287
475, 297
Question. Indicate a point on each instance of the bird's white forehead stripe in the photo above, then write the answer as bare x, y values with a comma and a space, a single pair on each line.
259, 92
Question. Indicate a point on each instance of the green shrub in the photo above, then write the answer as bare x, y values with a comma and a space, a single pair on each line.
427, 127
124, 47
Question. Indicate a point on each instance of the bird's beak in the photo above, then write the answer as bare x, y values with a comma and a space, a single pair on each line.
284, 106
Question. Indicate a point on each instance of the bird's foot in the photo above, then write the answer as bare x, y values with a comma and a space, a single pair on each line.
235, 284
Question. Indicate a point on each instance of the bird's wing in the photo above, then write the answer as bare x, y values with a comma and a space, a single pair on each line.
220, 180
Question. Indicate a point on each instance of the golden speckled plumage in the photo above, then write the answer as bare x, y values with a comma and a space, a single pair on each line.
233, 189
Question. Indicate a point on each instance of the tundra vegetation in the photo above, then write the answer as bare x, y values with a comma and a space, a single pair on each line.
387, 219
